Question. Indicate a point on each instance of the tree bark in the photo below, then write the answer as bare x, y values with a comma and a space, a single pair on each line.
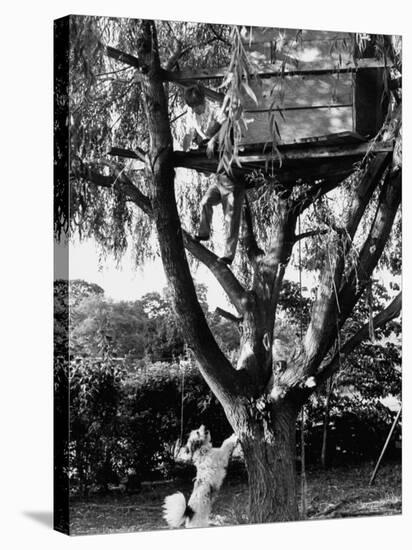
268, 440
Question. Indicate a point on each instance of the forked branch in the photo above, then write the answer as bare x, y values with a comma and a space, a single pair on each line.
90, 172
228, 316
331, 298
380, 320
223, 274
167, 75
371, 251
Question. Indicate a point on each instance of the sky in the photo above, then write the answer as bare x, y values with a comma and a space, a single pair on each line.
128, 282
125, 281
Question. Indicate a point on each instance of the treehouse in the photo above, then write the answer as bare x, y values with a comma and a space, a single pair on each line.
311, 108
317, 105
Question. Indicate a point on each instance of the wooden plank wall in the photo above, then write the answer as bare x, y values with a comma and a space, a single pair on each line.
303, 105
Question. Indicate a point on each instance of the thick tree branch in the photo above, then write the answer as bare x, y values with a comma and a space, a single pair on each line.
364, 191
308, 197
93, 176
227, 315
223, 379
170, 64
248, 234
268, 279
223, 274
166, 73
219, 36
380, 320
138, 154
277, 258
313, 233
369, 178
129, 188
126, 153
356, 281
209, 93
327, 311
302, 387
120, 179
123, 57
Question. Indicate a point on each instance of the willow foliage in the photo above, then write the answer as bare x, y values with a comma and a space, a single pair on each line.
105, 108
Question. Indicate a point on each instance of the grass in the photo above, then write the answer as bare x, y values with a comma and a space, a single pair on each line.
337, 492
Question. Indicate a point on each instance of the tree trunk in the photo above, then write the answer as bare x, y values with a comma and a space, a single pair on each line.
268, 443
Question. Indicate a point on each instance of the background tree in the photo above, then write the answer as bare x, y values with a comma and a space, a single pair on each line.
67, 296
124, 323
136, 329
135, 103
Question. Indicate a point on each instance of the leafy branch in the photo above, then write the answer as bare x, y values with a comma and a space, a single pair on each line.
241, 77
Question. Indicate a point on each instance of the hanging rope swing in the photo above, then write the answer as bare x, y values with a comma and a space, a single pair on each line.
182, 399
303, 483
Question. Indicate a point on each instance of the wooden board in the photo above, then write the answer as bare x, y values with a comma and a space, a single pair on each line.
304, 52
346, 138
277, 69
299, 124
290, 153
300, 91
292, 47
267, 34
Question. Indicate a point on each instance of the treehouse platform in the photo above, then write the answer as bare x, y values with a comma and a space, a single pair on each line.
333, 157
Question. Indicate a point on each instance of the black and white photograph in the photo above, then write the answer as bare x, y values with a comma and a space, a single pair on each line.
227, 274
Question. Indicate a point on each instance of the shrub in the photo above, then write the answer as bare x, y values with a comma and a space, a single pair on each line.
95, 397
126, 424
357, 431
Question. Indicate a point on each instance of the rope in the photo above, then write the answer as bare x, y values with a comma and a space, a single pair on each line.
300, 281
303, 484
329, 391
375, 471
182, 393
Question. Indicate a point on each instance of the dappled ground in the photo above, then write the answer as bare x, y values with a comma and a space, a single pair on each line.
337, 492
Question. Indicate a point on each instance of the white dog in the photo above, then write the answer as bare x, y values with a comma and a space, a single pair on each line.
211, 465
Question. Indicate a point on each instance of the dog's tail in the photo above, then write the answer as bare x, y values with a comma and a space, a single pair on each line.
175, 510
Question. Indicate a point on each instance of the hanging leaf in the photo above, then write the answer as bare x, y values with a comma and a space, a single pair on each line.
250, 92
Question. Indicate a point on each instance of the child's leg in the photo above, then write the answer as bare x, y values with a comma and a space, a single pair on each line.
232, 200
210, 199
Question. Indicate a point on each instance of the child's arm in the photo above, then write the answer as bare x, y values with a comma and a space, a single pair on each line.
198, 126
216, 119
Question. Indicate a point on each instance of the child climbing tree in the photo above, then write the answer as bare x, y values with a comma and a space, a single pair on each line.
123, 93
